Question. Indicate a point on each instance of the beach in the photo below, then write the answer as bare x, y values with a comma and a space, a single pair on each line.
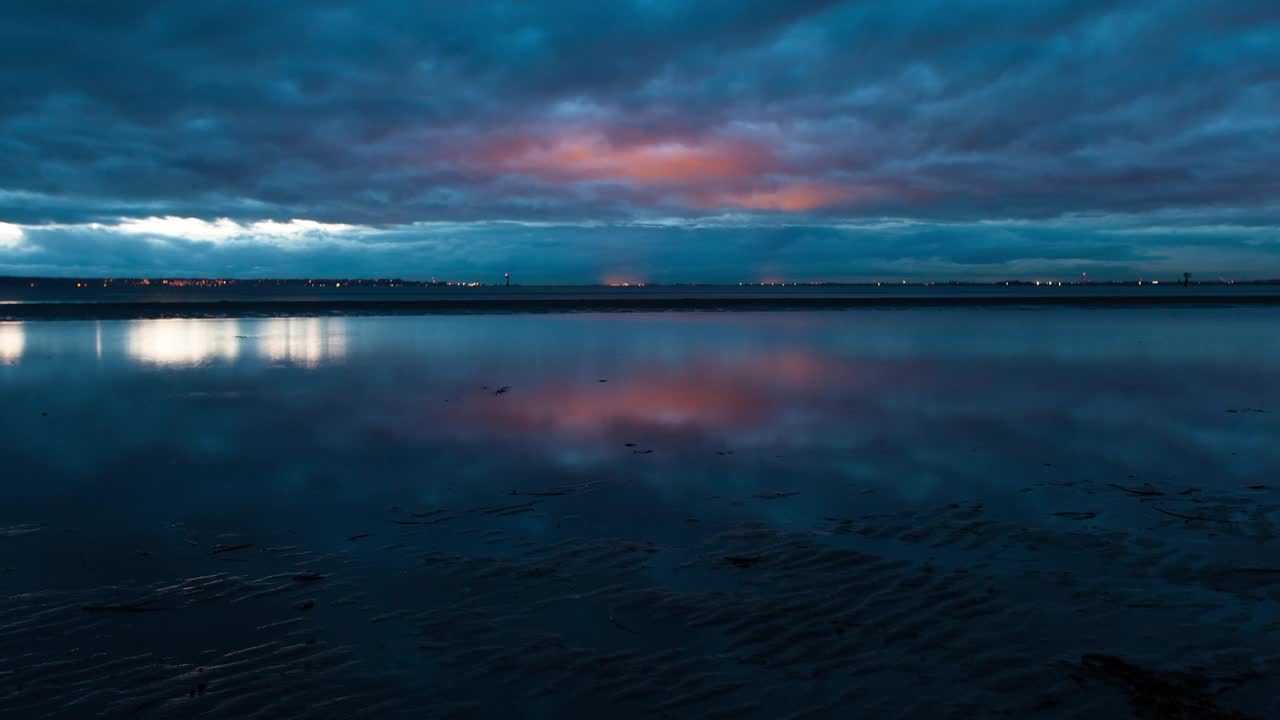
60, 299
938, 510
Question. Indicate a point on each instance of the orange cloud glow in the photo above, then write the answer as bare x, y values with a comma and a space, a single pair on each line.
706, 173
793, 198
591, 156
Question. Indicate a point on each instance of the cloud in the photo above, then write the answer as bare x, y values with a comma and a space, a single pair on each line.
225, 229
790, 198
590, 156
388, 115
10, 235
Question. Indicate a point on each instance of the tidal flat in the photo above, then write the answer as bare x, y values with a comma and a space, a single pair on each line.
932, 512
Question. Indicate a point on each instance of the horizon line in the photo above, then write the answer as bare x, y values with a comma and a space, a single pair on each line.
213, 281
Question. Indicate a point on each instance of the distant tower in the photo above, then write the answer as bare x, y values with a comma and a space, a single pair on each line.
507, 277
1084, 278
1186, 279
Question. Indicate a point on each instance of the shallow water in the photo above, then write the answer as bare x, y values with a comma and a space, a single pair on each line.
915, 513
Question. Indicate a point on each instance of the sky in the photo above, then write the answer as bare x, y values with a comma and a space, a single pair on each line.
641, 140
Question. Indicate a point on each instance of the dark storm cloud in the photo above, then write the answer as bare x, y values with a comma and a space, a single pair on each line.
799, 117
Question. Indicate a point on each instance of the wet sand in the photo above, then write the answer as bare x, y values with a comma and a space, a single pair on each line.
945, 611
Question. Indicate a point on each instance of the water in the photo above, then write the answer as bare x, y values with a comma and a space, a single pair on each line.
566, 474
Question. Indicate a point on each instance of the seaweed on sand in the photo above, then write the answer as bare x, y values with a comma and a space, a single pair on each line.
1140, 492
127, 608
1163, 695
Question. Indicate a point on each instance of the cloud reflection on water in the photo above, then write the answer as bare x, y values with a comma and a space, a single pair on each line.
913, 402
725, 391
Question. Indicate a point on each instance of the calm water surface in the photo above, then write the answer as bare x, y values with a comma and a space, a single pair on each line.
135, 452
312, 412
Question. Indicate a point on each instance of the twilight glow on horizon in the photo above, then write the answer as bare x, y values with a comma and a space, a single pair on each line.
656, 140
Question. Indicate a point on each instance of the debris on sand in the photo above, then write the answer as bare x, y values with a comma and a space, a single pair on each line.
743, 561
1256, 411
1140, 492
1185, 516
231, 548
844, 525
504, 510
306, 605
502, 390
774, 495
628, 444
307, 577
358, 536
641, 452
1157, 695
622, 627
214, 395
130, 608
1077, 515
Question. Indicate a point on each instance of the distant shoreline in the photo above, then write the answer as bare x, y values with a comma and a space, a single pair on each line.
146, 308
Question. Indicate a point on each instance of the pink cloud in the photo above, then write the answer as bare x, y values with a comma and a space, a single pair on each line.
704, 173
789, 198
592, 156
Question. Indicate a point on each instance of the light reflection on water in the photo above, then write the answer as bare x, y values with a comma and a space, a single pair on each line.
923, 402
183, 342
306, 342
12, 342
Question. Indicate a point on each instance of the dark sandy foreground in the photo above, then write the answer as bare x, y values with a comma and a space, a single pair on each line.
943, 612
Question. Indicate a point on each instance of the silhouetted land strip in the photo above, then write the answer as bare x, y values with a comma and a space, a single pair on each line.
547, 303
